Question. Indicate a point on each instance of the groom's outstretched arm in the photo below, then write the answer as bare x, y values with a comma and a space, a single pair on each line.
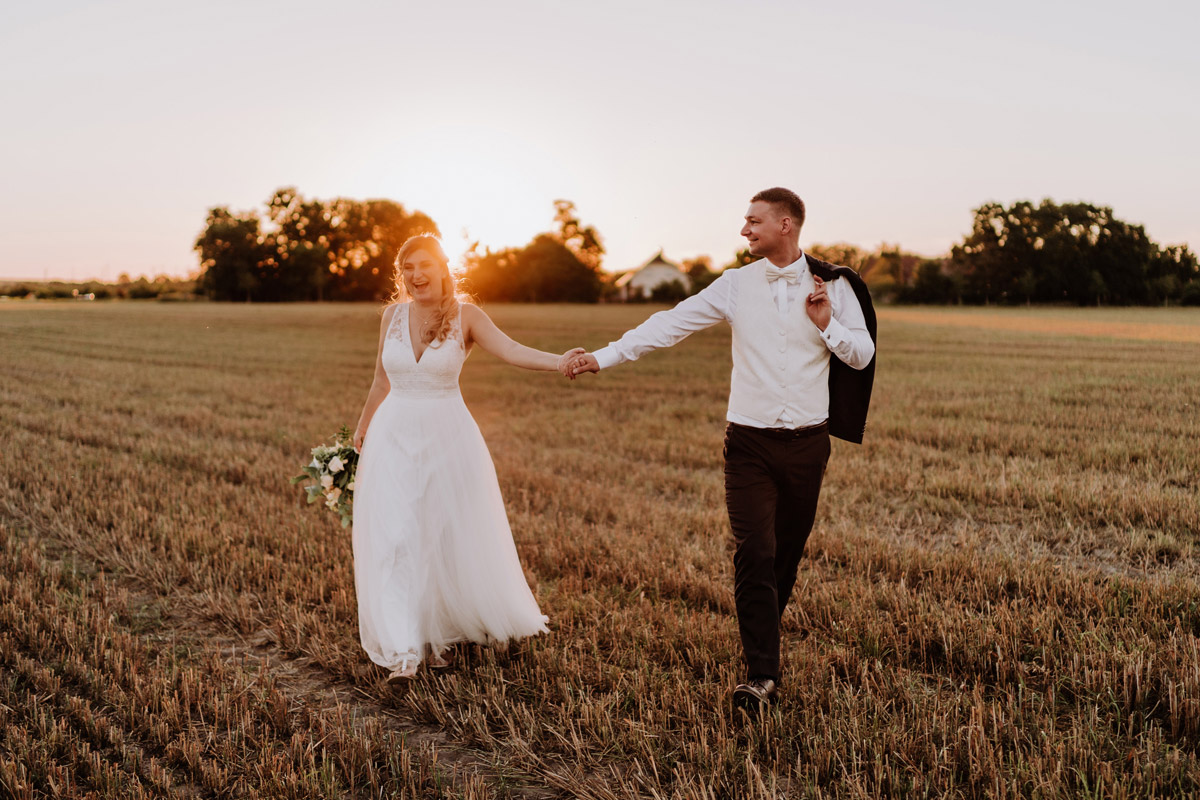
664, 329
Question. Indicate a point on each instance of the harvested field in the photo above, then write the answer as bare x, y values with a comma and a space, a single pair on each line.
1000, 599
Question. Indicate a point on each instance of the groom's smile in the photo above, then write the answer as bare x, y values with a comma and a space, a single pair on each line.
762, 229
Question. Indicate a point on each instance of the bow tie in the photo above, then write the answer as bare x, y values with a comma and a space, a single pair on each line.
791, 273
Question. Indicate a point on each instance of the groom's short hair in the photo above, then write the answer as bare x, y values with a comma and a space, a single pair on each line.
791, 202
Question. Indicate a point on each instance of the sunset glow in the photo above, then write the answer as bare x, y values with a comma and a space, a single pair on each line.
133, 119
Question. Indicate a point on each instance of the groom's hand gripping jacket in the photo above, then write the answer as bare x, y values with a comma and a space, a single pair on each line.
849, 388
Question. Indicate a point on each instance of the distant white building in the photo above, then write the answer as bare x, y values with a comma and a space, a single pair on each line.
639, 283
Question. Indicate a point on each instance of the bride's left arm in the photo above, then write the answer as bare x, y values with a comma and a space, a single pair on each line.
479, 329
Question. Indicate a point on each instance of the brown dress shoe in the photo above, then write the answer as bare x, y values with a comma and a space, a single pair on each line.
754, 695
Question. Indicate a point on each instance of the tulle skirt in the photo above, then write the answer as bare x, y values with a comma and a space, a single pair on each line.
434, 560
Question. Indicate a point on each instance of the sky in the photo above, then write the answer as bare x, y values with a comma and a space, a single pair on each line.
124, 122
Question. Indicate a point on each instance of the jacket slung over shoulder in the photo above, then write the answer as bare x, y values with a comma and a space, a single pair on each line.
849, 388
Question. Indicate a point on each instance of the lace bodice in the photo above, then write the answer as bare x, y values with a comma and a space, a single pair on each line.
437, 371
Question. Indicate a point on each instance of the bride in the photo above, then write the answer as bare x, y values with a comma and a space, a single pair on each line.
434, 560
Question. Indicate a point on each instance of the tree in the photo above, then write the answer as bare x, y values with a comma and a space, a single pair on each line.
700, 271
583, 242
1172, 271
550, 271
232, 251
306, 249
1074, 253
492, 275
670, 292
1190, 295
557, 267
931, 285
740, 259
888, 271
842, 254
315, 243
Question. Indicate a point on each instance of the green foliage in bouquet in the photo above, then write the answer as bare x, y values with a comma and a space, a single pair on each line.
333, 467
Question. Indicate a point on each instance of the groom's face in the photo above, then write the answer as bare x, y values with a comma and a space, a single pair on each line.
764, 229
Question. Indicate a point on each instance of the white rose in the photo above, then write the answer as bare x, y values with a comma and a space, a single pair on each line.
326, 481
315, 464
333, 496
350, 486
335, 464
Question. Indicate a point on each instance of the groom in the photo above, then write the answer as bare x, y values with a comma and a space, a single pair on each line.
803, 366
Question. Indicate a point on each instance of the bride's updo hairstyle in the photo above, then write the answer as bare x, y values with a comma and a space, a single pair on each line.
443, 317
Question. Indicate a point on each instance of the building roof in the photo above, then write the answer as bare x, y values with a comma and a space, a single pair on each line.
657, 262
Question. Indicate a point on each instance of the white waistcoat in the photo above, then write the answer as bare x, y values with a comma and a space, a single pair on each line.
779, 365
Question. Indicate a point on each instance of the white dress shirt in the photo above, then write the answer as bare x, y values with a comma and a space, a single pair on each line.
846, 335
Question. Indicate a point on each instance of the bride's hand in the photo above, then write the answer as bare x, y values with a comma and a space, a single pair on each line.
359, 435
567, 360
584, 363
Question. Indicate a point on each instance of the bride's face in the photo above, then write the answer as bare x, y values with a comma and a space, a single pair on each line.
422, 276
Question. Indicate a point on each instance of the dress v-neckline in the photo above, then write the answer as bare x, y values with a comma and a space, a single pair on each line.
412, 345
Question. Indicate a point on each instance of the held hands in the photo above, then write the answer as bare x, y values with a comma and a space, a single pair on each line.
817, 304
567, 360
576, 362
585, 363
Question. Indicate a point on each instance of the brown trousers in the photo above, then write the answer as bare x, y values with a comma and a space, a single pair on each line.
772, 482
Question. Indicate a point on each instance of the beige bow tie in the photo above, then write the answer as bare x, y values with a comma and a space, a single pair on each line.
791, 274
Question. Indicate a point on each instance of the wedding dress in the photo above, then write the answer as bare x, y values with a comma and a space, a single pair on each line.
434, 560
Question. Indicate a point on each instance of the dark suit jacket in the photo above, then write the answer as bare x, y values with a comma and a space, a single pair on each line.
849, 388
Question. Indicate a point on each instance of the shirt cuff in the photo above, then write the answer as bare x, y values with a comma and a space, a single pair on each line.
834, 333
607, 357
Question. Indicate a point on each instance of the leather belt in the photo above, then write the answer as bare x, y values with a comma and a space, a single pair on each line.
785, 433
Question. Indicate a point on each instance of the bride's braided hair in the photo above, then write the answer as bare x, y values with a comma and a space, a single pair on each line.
443, 318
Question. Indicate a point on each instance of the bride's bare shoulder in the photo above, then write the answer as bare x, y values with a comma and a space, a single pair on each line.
470, 313
470, 317
385, 318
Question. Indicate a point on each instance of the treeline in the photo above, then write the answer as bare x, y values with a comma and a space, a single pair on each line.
342, 249
160, 287
301, 248
1074, 253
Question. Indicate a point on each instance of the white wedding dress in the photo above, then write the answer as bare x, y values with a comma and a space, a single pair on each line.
434, 560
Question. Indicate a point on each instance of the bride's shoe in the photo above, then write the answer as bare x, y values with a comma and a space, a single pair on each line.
405, 670
443, 659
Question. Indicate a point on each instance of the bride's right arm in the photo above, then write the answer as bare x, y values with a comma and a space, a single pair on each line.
379, 385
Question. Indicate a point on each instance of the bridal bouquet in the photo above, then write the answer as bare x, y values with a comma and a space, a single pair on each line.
332, 467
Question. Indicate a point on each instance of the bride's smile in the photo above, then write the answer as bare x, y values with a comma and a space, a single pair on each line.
419, 273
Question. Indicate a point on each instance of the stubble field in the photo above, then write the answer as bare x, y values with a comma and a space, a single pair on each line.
1000, 598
